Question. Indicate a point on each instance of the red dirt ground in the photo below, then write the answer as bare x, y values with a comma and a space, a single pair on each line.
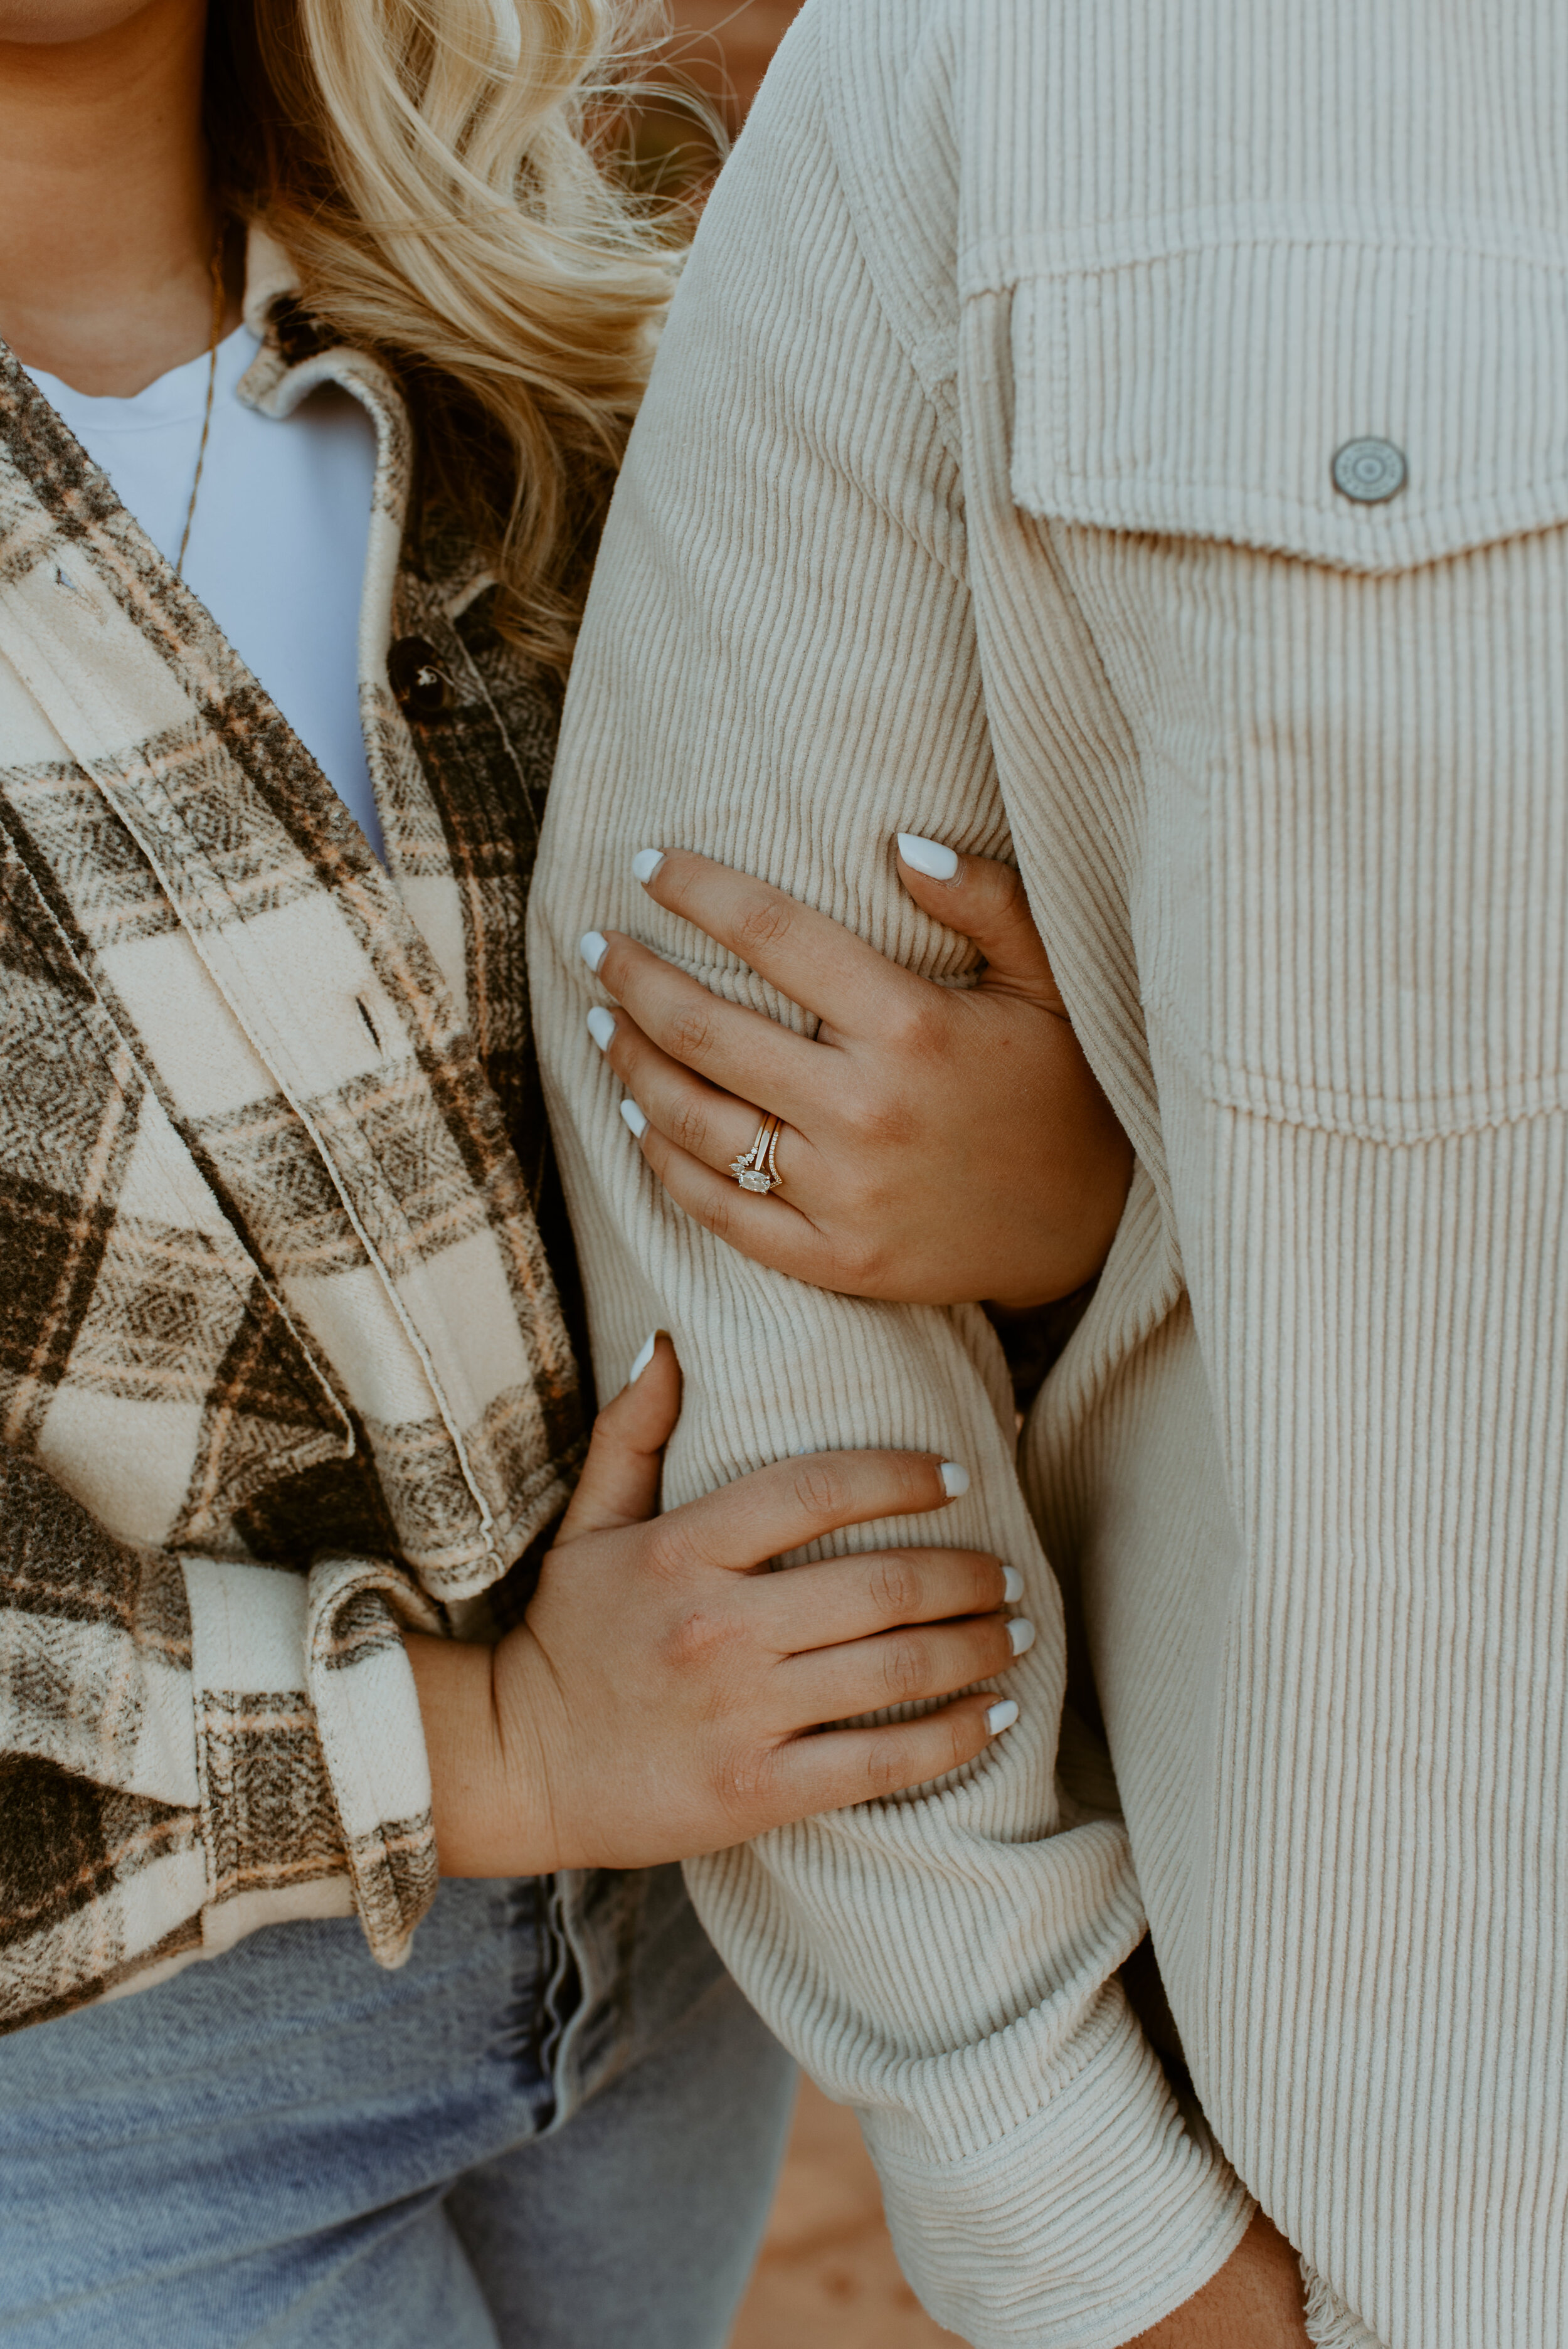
828, 2278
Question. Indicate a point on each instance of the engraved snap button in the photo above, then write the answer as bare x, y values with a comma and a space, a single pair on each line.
421, 685
1369, 470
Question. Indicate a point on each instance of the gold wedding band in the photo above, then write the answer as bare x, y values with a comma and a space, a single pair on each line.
759, 1169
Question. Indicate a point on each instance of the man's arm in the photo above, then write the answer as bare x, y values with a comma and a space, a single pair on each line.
1254, 2302
779, 668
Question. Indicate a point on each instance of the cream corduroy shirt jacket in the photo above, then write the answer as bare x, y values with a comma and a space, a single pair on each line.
985, 490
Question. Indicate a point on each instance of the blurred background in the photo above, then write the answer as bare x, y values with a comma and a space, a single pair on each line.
828, 2278
716, 52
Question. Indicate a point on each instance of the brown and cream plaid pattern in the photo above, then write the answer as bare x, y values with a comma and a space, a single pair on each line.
282, 1362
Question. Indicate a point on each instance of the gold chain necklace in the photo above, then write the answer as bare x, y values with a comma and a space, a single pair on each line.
220, 304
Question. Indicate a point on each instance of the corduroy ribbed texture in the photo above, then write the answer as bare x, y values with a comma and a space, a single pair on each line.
984, 490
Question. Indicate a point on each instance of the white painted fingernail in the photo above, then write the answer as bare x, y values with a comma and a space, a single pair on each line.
927, 856
1020, 1635
644, 1356
1001, 1716
1012, 1585
955, 1478
634, 1117
593, 949
601, 1026
645, 864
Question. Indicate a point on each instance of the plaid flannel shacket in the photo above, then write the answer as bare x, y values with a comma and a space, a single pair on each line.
283, 1368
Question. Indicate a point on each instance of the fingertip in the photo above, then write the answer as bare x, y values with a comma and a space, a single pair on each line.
620, 1480
955, 1479
931, 857
973, 1723
982, 898
650, 1399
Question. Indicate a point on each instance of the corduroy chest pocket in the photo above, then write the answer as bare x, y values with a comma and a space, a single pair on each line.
1309, 494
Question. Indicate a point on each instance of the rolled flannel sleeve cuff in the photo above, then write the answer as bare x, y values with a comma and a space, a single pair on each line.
367, 1719
1081, 2226
314, 1784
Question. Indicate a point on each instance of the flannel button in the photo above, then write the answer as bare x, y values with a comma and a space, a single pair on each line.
421, 685
1369, 470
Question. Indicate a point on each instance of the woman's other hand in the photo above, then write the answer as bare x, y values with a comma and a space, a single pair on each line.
667, 1694
937, 1142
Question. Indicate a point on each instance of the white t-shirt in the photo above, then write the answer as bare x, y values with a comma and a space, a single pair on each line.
278, 543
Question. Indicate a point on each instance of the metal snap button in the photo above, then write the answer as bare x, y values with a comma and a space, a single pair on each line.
421, 685
1369, 470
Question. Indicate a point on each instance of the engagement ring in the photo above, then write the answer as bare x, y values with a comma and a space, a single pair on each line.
759, 1170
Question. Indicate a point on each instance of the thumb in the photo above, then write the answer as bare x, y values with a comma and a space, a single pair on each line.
984, 901
620, 1481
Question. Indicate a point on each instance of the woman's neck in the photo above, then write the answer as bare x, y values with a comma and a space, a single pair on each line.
104, 263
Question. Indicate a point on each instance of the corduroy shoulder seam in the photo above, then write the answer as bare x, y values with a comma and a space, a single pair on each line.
885, 75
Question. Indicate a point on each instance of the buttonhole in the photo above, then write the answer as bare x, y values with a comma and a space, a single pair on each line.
365, 1014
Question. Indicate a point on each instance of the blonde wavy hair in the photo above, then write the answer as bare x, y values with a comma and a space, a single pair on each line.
437, 172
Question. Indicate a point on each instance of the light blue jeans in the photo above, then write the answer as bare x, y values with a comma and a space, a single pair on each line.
557, 2128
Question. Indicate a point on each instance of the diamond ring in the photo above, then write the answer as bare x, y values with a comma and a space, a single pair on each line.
759, 1169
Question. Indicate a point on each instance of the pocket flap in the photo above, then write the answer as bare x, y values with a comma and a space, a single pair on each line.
1207, 391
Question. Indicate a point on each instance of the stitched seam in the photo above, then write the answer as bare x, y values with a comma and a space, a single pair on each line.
996, 264
1261, 506
1232, 1086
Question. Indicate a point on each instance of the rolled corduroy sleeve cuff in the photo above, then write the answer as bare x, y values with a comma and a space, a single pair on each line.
1081, 2227
314, 1781
1329, 2324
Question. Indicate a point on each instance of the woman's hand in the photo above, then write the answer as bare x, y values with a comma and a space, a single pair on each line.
937, 1143
665, 1693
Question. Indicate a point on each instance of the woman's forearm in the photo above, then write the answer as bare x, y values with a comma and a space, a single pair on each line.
484, 1822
